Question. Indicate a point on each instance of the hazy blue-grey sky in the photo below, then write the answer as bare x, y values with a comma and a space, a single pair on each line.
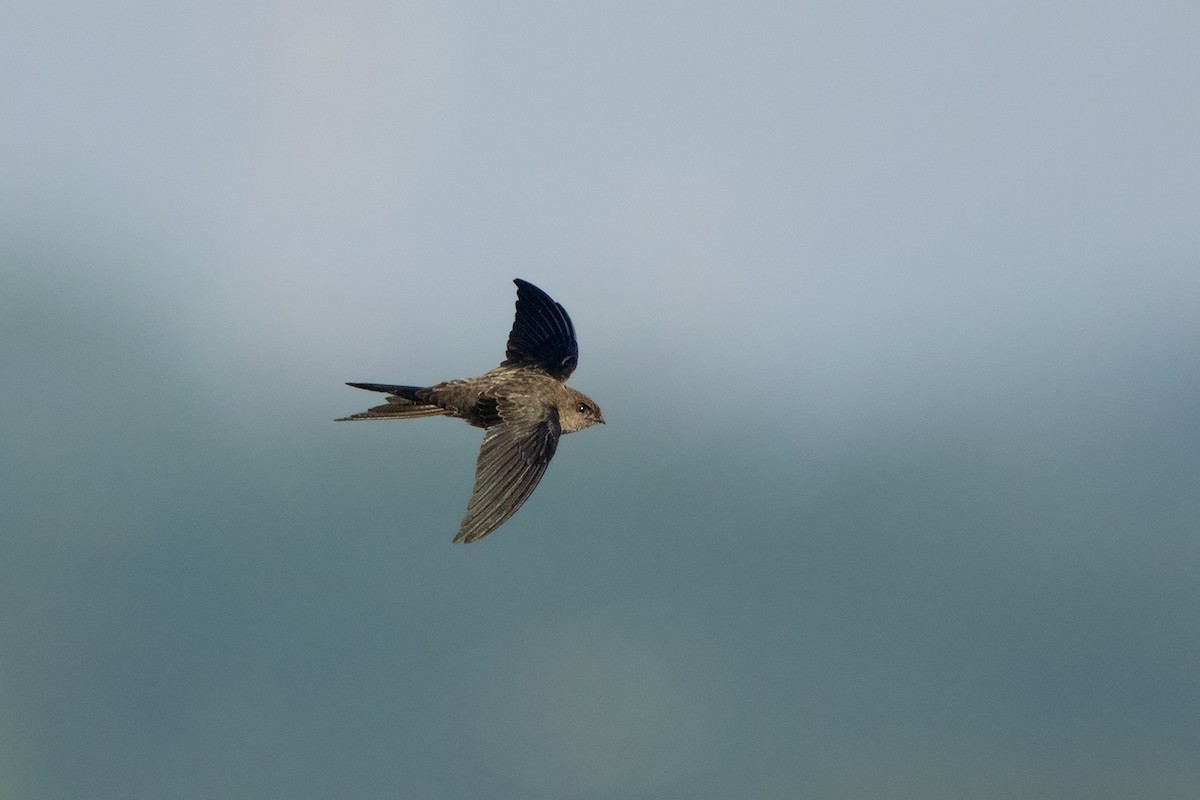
891, 311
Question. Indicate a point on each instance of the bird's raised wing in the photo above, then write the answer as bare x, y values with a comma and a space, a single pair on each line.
512, 460
542, 334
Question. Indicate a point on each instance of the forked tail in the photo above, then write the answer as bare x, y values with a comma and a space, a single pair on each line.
404, 402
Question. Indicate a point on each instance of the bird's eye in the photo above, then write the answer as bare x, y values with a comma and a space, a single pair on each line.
581, 408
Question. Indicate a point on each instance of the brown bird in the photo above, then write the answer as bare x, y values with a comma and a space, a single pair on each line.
523, 404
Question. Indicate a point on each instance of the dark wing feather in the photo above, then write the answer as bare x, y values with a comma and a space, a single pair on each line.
513, 459
542, 334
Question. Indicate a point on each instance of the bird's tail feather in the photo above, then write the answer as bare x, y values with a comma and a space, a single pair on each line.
406, 392
404, 402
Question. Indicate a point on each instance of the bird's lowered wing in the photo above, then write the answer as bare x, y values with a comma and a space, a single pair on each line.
512, 460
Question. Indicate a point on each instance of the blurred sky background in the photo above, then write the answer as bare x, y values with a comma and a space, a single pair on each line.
891, 309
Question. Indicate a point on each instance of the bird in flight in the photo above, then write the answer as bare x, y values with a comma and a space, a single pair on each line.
523, 405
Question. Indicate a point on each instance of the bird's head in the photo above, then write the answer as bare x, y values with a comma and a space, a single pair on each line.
578, 412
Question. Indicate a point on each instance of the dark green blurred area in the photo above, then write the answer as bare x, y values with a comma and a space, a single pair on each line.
195, 606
